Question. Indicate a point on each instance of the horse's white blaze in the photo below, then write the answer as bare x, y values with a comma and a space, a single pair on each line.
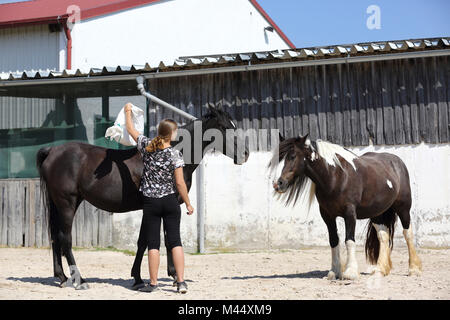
351, 267
384, 263
389, 183
329, 152
415, 265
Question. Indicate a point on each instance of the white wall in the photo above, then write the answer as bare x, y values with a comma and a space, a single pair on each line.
167, 30
242, 214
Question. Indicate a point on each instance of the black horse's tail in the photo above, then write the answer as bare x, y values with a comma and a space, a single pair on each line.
49, 207
372, 246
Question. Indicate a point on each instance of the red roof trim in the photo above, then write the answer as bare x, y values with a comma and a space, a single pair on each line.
272, 23
58, 14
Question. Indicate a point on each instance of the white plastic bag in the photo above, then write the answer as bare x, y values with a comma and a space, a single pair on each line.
118, 131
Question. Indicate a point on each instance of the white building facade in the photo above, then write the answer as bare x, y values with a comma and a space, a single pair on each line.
87, 37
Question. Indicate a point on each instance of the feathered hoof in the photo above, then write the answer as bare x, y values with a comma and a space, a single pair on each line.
350, 274
414, 272
83, 286
332, 275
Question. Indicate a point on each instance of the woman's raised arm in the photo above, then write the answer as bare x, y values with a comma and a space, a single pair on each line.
129, 123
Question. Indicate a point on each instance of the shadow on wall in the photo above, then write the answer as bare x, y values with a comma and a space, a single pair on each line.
18, 147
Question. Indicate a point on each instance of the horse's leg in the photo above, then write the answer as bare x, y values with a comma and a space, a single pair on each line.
141, 247
58, 270
66, 245
57, 264
336, 265
415, 265
384, 227
351, 267
171, 272
65, 238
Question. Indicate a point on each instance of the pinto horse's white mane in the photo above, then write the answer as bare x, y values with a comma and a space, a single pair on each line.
303, 188
329, 151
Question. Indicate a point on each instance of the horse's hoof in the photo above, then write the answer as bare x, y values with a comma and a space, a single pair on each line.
414, 272
331, 275
350, 274
138, 285
83, 286
174, 283
63, 284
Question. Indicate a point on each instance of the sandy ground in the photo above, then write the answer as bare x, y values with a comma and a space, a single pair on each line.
26, 273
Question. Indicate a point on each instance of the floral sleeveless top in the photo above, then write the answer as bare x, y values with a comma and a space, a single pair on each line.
158, 177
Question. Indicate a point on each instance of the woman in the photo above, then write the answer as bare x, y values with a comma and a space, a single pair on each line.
163, 171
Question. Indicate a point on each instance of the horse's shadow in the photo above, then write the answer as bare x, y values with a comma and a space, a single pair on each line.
316, 274
54, 282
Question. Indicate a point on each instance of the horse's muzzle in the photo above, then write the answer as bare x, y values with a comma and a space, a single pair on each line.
280, 186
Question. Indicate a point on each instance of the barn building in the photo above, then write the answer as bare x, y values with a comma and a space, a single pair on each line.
388, 96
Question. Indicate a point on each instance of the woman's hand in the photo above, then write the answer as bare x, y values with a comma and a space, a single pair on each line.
128, 107
190, 209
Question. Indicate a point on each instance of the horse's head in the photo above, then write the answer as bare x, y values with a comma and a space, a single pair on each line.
221, 120
294, 152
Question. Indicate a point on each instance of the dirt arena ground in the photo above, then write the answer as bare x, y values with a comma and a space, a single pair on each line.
26, 273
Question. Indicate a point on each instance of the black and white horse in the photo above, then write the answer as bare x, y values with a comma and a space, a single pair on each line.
373, 186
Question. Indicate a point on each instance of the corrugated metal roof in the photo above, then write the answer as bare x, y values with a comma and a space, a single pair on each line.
249, 58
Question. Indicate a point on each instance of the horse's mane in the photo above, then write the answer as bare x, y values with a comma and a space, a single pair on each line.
329, 151
300, 186
210, 114
303, 185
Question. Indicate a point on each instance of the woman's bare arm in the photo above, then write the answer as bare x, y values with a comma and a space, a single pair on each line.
129, 123
182, 189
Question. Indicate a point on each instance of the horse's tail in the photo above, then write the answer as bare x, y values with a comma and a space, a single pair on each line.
372, 246
49, 207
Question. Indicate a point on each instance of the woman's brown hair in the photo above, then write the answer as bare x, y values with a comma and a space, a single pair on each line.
165, 129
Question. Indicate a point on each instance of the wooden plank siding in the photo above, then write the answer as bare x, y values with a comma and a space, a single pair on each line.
23, 220
391, 102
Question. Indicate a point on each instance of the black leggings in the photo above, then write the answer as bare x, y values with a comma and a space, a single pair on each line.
169, 210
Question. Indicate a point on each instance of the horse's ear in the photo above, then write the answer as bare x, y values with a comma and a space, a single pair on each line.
300, 141
280, 137
306, 136
212, 109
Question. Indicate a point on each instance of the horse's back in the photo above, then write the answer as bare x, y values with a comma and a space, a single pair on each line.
390, 169
79, 150
107, 178
387, 160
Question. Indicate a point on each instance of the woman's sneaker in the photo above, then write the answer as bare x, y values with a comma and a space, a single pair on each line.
149, 288
181, 287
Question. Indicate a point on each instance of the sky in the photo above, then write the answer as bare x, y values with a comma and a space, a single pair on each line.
309, 23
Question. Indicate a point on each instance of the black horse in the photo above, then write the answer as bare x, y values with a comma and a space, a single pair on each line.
373, 186
108, 179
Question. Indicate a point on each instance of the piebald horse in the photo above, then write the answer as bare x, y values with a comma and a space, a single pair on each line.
372, 186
